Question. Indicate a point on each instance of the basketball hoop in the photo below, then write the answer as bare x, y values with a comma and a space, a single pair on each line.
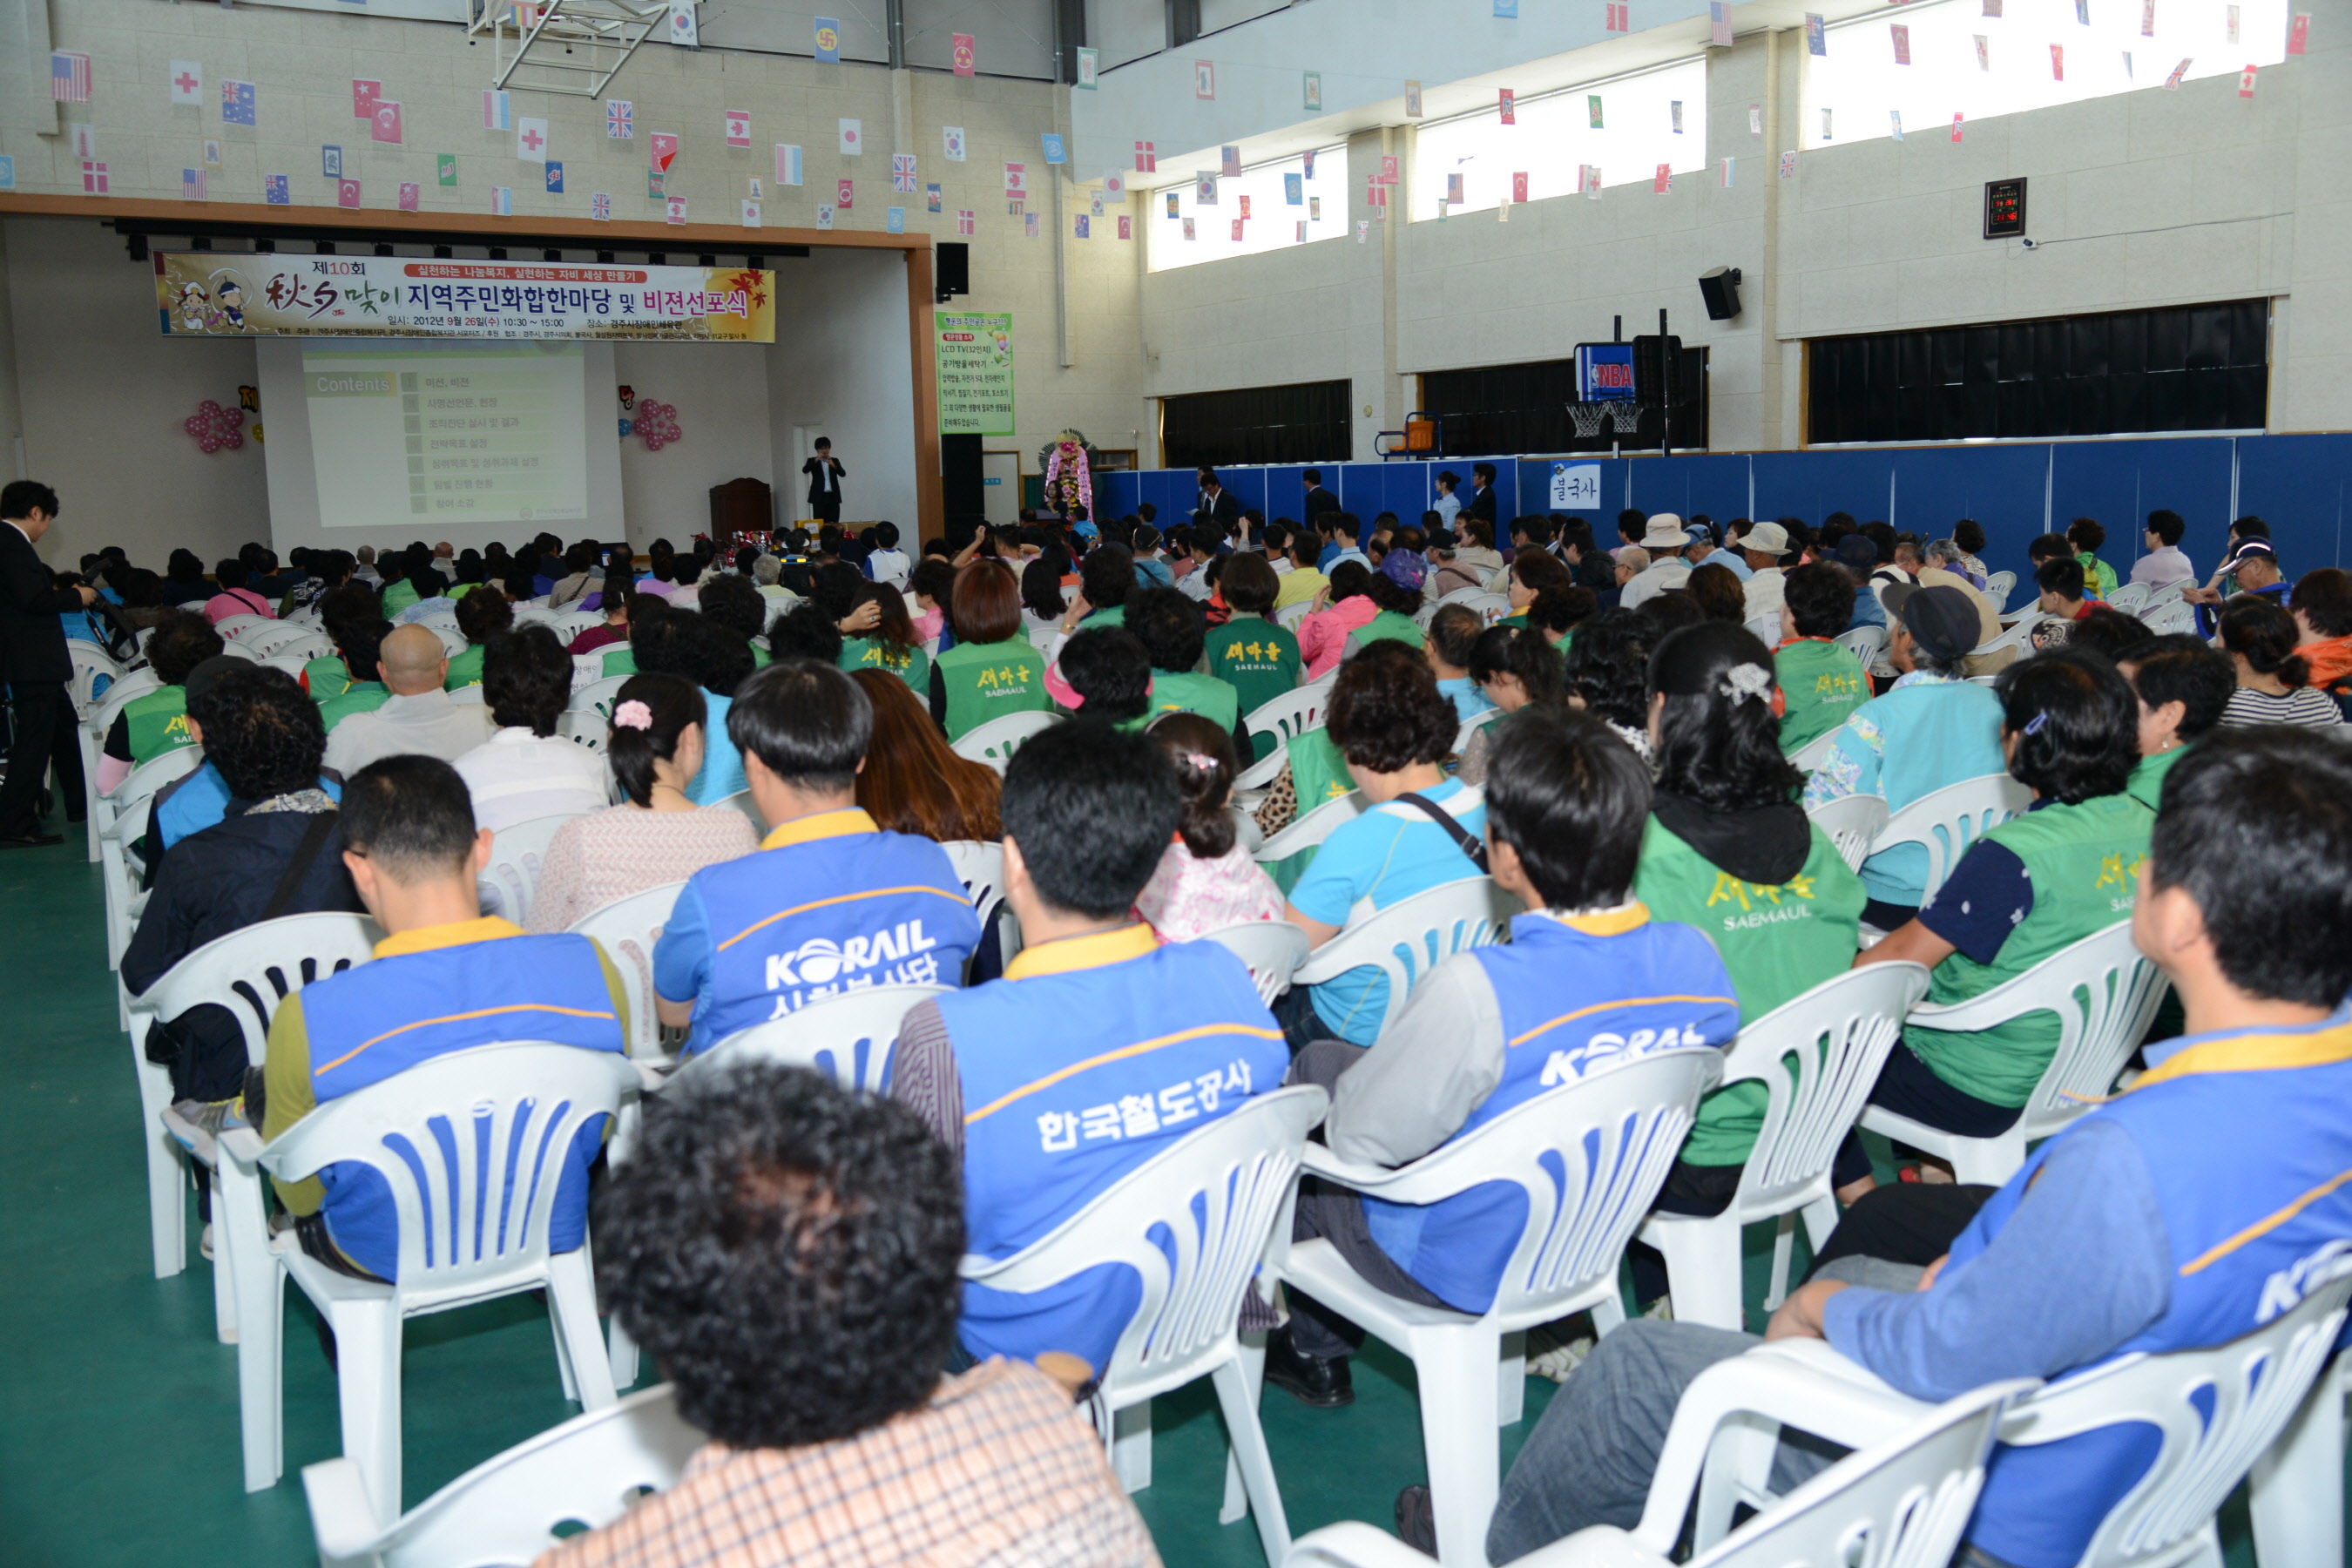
1587, 418
1626, 416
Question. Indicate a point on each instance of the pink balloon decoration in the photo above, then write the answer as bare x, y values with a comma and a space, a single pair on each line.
215, 426
658, 424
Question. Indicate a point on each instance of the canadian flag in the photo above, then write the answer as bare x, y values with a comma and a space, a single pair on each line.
738, 128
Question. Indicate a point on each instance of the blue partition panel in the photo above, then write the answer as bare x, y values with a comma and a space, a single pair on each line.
1285, 490
1249, 487
2298, 485
1810, 486
1118, 491
1175, 492
2120, 482
1683, 485
2000, 487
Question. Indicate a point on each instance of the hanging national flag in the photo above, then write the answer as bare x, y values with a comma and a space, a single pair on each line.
70, 82
276, 190
1016, 181
964, 220
495, 109
554, 178
828, 41
1718, 25
674, 209
738, 128
1306, 164
1028, 225
1816, 37
1728, 173
1055, 150
383, 125
600, 207
411, 195
502, 201
1593, 109
788, 163
664, 149
1984, 56
1294, 191
960, 49
1299, 239
951, 142
1115, 183
1518, 187
2297, 36
825, 215
1664, 180
2148, 18
683, 29
1454, 190
751, 215
188, 83
2058, 62
902, 171
2230, 22
2173, 81
2246, 82
82, 138
1894, 117
531, 140
1675, 112
1787, 166
1510, 104
1616, 18
1147, 158
1127, 230
1245, 205
192, 184
1902, 37
620, 116
446, 168
844, 194
1955, 127
93, 179
237, 103
853, 138
347, 193
1229, 161
931, 198
363, 98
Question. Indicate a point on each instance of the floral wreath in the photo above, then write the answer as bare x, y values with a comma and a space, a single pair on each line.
1068, 461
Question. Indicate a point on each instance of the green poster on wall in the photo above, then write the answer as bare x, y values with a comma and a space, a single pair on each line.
972, 355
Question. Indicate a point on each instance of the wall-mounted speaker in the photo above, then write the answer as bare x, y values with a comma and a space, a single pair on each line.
1719, 287
952, 270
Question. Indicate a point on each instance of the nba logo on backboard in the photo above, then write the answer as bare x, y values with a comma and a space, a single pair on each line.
1605, 372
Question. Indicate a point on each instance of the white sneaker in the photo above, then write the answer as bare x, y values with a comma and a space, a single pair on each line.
1555, 1349
204, 1244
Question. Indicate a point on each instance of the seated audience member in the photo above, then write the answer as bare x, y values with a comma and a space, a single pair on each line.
1557, 612
1173, 635
1345, 606
992, 670
526, 770
185, 582
887, 563
1931, 729
328, 676
613, 605
2261, 636
444, 979
1305, 578
1586, 970
272, 852
2062, 871
1516, 670
154, 722
1821, 683
1258, 659
1396, 590
805, 631
1419, 831
234, 597
2322, 605
1042, 600
2065, 599
767, 577
480, 616
1338, 532
735, 605
1453, 632
1664, 540
657, 835
1105, 671
2109, 630
830, 900
2087, 536
2165, 565
1718, 591
891, 644
423, 592
2208, 1156
676, 642
912, 783
2184, 689
1970, 535
788, 1253
2249, 570
1766, 551
580, 575
1534, 572
1105, 582
1726, 840
1607, 671
1206, 878
415, 716
1097, 1049
1475, 547
930, 587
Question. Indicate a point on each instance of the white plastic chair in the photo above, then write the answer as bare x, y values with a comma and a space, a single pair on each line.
2019, 636
1590, 1157
627, 929
741, 801
504, 1513
1412, 936
1311, 829
2105, 995
1272, 949
2130, 597
1491, 606
1945, 821
235, 648
291, 664
248, 973
2296, 1488
994, 742
523, 1104
1286, 717
90, 737
1289, 615
1837, 1036
1808, 757
233, 627
1998, 585
469, 696
512, 872
1194, 1223
111, 814
1866, 643
979, 867
91, 664
1851, 822
589, 717
267, 639
1902, 1502
1766, 629
1471, 726
1464, 596
850, 1037
2175, 615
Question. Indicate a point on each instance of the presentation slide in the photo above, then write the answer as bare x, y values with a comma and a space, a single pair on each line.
406, 435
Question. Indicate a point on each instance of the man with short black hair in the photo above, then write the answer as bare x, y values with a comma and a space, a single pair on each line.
444, 978
832, 902
2064, 598
1099, 1049
887, 563
1482, 495
1218, 510
1171, 630
2165, 565
35, 664
825, 476
1339, 530
1318, 499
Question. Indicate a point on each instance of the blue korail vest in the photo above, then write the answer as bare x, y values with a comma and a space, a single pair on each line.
1573, 1001
2227, 1152
1072, 1080
370, 1021
797, 924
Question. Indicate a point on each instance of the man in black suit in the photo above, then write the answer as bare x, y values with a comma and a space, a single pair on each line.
34, 662
824, 473
1219, 509
1482, 493
1318, 499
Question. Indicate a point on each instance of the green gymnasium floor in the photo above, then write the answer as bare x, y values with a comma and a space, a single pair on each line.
119, 1428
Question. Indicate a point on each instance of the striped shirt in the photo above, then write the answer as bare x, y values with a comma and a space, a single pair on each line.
2304, 705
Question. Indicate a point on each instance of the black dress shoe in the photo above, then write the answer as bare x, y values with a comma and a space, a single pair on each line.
1322, 1382
35, 840
1416, 1520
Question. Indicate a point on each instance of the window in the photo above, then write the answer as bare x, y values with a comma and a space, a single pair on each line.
1263, 191
1651, 118
2197, 367
1524, 408
1852, 92
1307, 423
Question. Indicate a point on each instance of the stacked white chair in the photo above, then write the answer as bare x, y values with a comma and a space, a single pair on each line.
90, 737
233, 627
116, 879
525, 1101
1817, 1054
2105, 995
1590, 1157
91, 663
1997, 588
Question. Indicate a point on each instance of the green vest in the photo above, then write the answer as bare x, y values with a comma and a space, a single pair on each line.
620, 660
2084, 863
911, 665
465, 669
2146, 783
1114, 617
459, 590
1775, 941
1387, 627
986, 680
1317, 772
1188, 693
362, 696
157, 722
1260, 661
326, 676
1821, 686
761, 658
1516, 620
397, 596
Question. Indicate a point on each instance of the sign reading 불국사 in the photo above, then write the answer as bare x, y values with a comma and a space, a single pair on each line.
1575, 486
974, 365
215, 294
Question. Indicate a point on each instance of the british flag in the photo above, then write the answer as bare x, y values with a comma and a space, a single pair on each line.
600, 207
69, 76
619, 113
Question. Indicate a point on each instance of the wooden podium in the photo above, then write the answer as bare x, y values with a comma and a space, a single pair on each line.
740, 506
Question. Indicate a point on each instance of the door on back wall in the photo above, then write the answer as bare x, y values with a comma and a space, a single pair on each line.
1000, 488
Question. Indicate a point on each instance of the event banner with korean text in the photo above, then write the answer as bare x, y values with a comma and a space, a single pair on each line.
974, 364
218, 294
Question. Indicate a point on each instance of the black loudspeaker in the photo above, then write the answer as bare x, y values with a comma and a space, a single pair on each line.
961, 492
1657, 371
953, 268
1719, 287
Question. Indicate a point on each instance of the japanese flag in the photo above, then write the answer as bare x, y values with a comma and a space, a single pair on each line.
1114, 183
853, 138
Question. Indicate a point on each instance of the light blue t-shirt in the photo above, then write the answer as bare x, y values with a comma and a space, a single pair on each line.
723, 765
1469, 698
1390, 852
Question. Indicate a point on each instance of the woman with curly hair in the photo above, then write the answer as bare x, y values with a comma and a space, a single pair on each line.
892, 644
1607, 673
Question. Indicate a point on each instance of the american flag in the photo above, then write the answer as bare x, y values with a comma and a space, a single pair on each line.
192, 184
69, 76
